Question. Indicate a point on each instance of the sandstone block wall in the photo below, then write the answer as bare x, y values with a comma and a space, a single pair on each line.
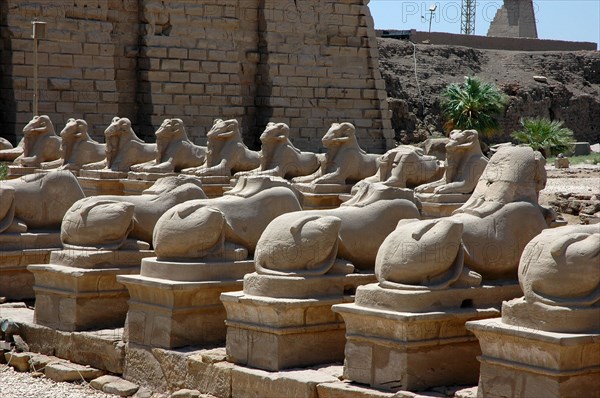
306, 63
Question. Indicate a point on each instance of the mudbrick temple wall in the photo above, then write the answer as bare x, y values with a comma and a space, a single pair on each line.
307, 63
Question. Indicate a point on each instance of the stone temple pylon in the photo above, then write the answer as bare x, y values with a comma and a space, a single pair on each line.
516, 18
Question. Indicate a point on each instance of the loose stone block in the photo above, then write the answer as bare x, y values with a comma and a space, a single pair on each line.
84, 293
18, 360
66, 371
561, 163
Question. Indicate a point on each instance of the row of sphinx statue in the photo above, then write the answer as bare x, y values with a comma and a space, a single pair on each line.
227, 155
176, 218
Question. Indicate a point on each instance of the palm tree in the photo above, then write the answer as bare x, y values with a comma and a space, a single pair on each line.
544, 135
473, 105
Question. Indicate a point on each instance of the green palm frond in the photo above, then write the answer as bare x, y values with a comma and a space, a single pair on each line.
541, 133
473, 105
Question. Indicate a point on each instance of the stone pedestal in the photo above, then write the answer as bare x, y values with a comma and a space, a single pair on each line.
174, 304
78, 290
19, 250
522, 362
440, 205
281, 322
137, 182
416, 339
102, 182
322, 196
20, 171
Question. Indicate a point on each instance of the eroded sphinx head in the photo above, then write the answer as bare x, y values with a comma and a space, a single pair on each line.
561, 267
94, 223
299, 245
424, 254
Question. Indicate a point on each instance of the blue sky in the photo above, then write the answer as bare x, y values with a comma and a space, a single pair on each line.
572, 20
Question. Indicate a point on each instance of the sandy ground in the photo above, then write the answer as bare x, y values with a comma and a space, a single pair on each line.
580, 179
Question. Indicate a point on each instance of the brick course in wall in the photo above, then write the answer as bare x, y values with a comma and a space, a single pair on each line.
306, 63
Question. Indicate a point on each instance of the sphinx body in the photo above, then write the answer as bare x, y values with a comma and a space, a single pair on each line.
561, 267
40, 143
37, 201
227, 227
227, 153
405, 166
345, 162
141, 212
77, 148
366, 220
174, 150
503, 214
123, 148
464, 164
280, 158
5, 144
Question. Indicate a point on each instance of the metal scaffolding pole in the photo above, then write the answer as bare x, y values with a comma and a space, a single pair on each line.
467, 17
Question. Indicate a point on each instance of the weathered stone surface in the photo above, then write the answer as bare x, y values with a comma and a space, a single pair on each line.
254, 383
508, 190
18, 360
581, 149
171, 370
282, 333
66, 371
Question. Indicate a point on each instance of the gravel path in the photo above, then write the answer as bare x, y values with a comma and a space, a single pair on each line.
23, 385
